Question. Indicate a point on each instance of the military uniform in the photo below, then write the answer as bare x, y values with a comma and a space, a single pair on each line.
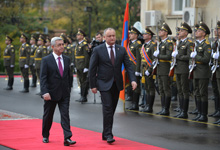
201, 75
9, 62
31, 62
184, 48
217, 100
81, 63
40, 52
149, 49
24, 57
135, 58
163, 68
49, 48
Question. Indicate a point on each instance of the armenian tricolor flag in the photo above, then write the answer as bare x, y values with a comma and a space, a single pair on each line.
124, 43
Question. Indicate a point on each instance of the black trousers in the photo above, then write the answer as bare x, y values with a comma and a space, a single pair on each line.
109, 102
49, 108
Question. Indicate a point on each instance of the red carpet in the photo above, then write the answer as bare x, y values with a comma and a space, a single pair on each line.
26, 135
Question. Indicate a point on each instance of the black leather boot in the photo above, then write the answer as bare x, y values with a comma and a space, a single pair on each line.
149, 109
184, 114
10, 84
195, 111
217, 108
162, 105
34, 81
180, 107
199, 103
135, 104
167, 107
26, 86
203, 117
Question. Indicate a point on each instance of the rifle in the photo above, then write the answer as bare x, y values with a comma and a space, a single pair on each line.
173, 62
193, 62
210, 62
156, 61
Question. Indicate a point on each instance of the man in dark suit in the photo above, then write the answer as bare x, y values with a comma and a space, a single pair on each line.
55, 89
105, 75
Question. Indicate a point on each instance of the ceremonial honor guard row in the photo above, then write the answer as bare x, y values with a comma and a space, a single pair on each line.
183, 58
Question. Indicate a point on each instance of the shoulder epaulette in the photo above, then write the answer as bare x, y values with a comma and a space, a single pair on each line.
153, 42
12, 46
44, 46
189, 40
27, 44
68, 47
85, 42
168, 41
207, 42
139, 42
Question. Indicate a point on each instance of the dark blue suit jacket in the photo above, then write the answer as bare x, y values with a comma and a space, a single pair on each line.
50, 79
101, 71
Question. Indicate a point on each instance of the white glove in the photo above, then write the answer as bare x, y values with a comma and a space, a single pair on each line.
11, 66
75, 70
190, 66
147, 73
33, 64
137, 73
215, 55
71, 64
85, 70
156, 53
193, 54
25, 66
174, 53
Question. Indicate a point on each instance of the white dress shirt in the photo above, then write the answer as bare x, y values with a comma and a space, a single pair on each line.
109, 49
61, 60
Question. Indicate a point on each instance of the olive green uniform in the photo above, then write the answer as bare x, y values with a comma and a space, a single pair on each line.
149, 48
9, 62
201, 76
49, 50
216, 85
135, 48
24, 57
32, 65
163, 68
182, 72
40, 52
81, 62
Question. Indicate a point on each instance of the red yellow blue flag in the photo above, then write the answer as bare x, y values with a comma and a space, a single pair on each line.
124, 43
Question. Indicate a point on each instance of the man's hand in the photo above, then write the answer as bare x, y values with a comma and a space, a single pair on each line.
12, 66
94, 90
47, 97
137, 74
193, 54
134, 85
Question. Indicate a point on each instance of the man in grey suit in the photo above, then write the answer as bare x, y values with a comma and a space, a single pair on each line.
105, 75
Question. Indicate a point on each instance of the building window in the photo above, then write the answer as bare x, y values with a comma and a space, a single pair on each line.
179, 5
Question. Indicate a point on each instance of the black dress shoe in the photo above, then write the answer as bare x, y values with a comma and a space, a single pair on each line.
217, 122
110, 140
68, 142
24, 91
45, 140
8, 88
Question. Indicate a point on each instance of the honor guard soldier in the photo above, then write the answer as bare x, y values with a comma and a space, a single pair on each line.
71, 55
68, 52
24, 57
182, 55
9, 62
163, 68
216, 47
40, 52
147, 51
82, 64
201, 72
195, 111
48, 45
135, 58
33, 43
